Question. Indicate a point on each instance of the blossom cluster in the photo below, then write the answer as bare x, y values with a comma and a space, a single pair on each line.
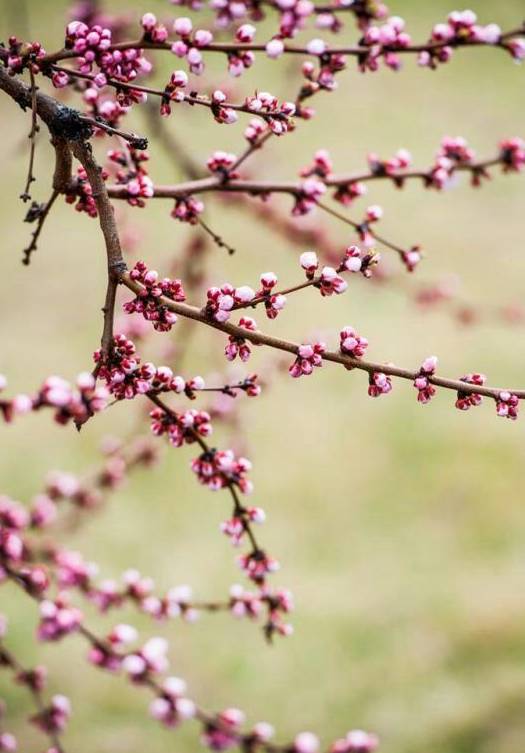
101, 105
181, 428
18, 54
132, 174
221, 301
187, 209
82, 196
351, 343
69, 403
220, 469
460, 28
400, 161
147, 300
92, 45
513, 154
309, 356
126, 376
238, 345
425, 389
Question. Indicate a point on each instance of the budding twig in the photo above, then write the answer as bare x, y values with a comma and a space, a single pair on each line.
260, 338
358, 226
27, 678
291, 49
191, 99
209, 721
217, 239
238, 509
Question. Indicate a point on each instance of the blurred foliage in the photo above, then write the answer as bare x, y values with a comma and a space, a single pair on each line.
399, 528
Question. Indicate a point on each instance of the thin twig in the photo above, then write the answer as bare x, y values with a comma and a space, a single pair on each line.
26, 195
217, 239
23, 675
358, 226
231, 484
137, 142
190, 99
38, 213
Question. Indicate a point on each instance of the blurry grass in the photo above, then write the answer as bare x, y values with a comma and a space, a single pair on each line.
399, 528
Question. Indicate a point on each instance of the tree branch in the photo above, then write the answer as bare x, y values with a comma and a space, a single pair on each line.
38, 213
260, 338
25, 196
115, 261
358, 51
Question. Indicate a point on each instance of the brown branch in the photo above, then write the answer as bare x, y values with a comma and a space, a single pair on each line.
398, 177
38, 213
229, 48
260, 338
62, 181
59, 120
115, 261
257, 187
238, 508
25, 196
217, 239
137, 142
190, 99
24, 676
212, 183
357, 226
253, 188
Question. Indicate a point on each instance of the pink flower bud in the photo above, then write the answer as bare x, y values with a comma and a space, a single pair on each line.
374, 213
245, 33
134, 664
174, 686
8, 742
244, 294
148, 21
274, 48
203, 37
316, 47
182, 26
429, 365
179, 78
306, 742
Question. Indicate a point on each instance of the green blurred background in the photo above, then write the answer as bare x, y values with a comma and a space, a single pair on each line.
399, 528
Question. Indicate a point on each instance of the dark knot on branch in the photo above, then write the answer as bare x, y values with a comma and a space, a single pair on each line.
70, 125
